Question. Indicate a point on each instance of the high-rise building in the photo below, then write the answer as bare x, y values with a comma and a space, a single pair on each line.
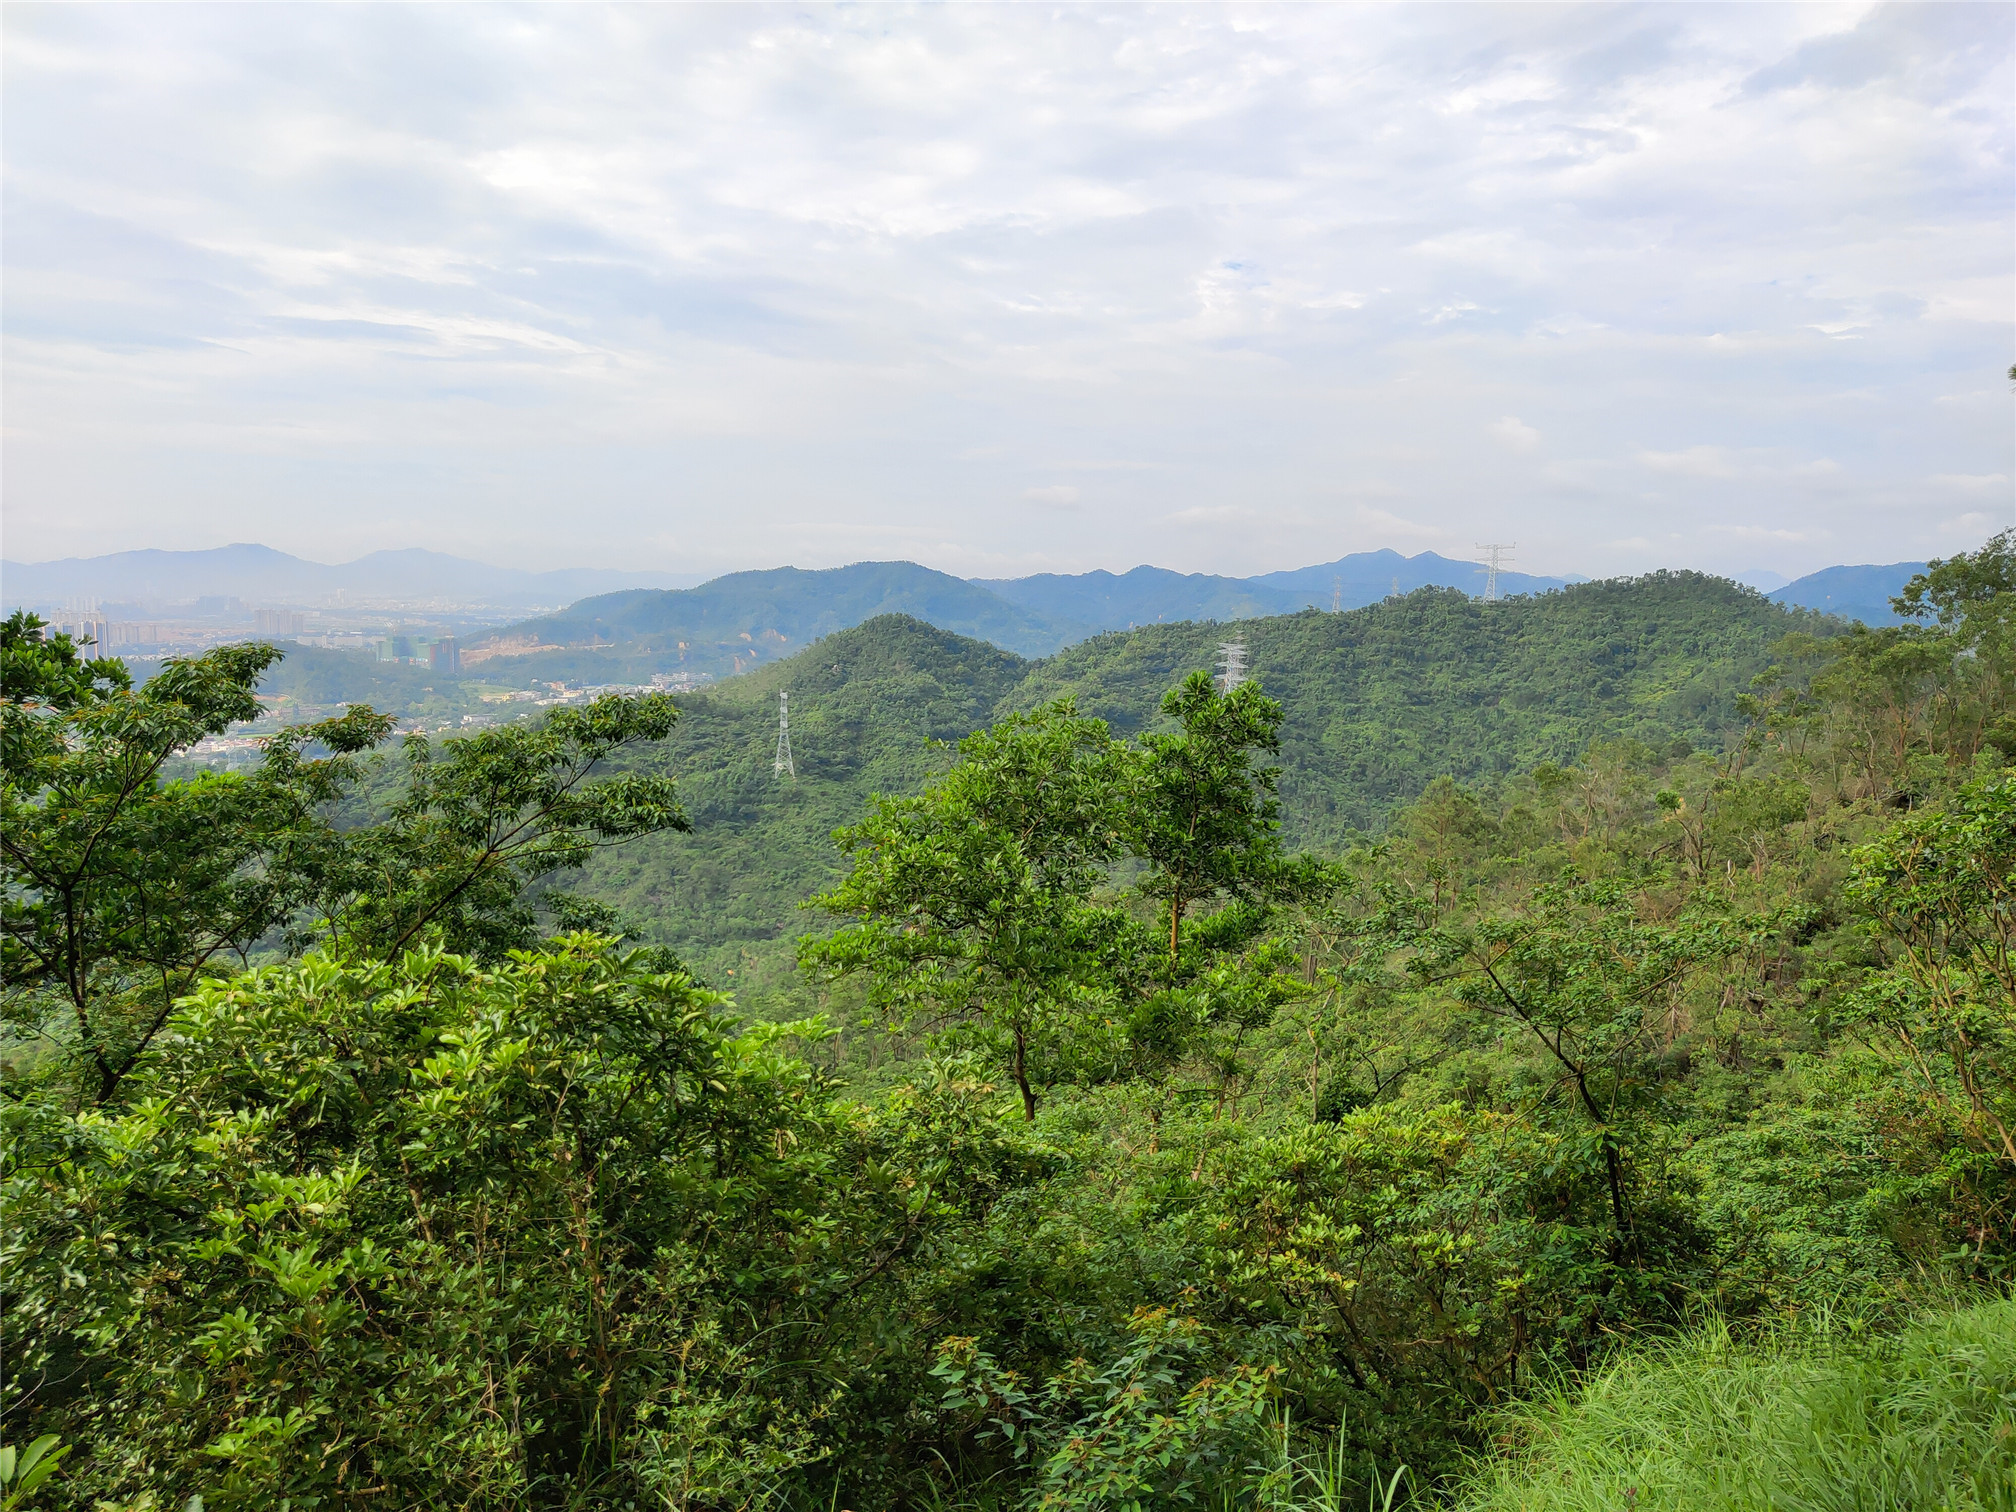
445, 656
278, 621
82, 625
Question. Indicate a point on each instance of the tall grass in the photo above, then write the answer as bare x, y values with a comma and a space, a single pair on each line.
1924, 1421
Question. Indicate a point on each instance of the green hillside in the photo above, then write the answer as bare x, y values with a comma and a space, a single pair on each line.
1143, 596
1384, 699
1632, 1133
1380, 702
746, 619
863, 704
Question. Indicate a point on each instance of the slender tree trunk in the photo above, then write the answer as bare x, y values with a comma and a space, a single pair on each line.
1021, 1074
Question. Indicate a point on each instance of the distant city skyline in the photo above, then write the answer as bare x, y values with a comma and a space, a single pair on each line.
1007, 291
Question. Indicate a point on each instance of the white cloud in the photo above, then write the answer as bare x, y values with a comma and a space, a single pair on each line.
353, 277
1722, 463
1389, 525
1053, 496
1974, 525
1692, 462
1766, 534
1212, 514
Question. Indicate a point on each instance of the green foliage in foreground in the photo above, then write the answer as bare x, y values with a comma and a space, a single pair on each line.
1334, 1164
1828, 1423
126, 889
442, 1234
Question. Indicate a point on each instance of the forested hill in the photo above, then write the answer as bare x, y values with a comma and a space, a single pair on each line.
747, 619
864, 704
1027, 1177
1380, 701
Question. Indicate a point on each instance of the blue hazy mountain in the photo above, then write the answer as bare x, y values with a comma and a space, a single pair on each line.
750, 617
1144, 596
1856, 593
261, 574
1365, 577
743, 619
1148, 595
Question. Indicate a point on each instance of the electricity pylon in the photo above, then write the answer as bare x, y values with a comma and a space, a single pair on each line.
784, 766
1496, 555
1336, 595
1232, 665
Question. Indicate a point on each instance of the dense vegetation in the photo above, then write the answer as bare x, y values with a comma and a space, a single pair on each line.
1813, 1417
1381, 701
1187, 1145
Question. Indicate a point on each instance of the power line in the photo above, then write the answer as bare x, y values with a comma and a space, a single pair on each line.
784, 766
1496, 555
1231, 665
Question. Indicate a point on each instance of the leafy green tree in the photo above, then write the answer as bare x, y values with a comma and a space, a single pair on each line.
430, 1233
487, 814
125, 890
1203, 809
1583, 972
1893, 710
1971, 591
1941, 888
975, 902
50, 669
1972, 596
1134, 1433
1203, 814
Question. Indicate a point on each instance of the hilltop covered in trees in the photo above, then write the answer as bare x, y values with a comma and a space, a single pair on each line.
1378, 703
1170, 1137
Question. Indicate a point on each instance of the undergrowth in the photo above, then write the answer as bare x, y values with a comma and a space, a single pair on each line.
1924, 1420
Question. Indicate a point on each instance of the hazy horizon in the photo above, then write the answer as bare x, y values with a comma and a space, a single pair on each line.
1005, 291
687, 578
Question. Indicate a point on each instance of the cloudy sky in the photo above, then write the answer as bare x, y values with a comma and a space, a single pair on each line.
1011, 289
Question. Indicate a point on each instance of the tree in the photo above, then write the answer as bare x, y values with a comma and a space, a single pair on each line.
486, 815
1941, 887
125, 889
428, 1233
1901, 705
49, 669
974, 901
1580, 971
1203, 811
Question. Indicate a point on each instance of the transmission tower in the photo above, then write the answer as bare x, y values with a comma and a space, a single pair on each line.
1232, 665
784, 766
1495, 557
1336, 595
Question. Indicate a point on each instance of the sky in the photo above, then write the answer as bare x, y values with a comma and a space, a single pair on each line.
1011, 289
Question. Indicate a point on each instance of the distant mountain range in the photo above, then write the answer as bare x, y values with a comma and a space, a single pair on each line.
745, 619
1148, 595
259, 574
738, 622
1856, 593
749, 617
